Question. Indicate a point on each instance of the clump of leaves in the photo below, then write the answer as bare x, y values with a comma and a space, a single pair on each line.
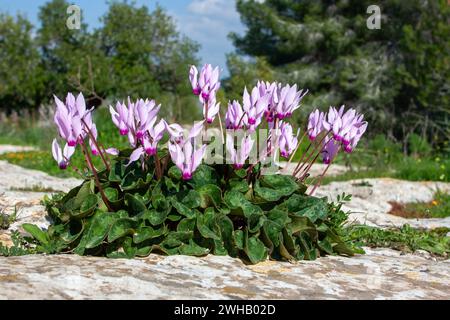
217, 212
405, 239
20, 246
6, 220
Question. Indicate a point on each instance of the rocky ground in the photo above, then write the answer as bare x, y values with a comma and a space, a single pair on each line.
379, 274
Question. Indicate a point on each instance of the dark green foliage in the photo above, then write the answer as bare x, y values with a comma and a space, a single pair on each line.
398, 75
146, 56
207, 214
21, 75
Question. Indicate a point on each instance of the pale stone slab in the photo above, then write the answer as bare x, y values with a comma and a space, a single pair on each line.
380, 274
370, 200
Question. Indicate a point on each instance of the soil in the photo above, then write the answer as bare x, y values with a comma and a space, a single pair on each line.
409, 211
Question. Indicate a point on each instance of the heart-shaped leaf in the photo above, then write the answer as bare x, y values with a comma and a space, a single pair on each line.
121, 228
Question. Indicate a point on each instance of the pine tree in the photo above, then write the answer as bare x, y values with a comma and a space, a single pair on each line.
397, 75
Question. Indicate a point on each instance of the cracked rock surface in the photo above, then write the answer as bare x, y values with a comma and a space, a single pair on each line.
379, 274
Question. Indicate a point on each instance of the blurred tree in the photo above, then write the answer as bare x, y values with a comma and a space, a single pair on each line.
245, 72
147, 54
397, 75
135, 53
72, 60
21, 76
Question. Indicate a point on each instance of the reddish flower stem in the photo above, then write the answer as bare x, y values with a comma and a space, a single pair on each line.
221, 129
205, 136
242, 118
308, 167
312, 153
300, 162
157, 166
91, 136
320, 179
96, 179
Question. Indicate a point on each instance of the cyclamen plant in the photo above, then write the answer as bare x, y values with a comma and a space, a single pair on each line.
163, 194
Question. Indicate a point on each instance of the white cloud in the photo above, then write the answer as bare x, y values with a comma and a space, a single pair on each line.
209, 22
224, 9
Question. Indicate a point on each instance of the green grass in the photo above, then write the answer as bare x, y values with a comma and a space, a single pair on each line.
405, 239
43, 161
373, 158
7, 220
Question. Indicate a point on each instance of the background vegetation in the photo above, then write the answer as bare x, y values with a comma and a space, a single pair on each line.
397, 76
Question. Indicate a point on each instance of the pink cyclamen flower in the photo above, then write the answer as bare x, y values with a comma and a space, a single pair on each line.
354, 136
289, 100
205, 84
155, 134
145, 116
74, 121
333, 121
239, 157
68, 118
234, 118
271, 89
193, 78
208, 81
330, 150
287, 141
347, 127
213, 110
176, 132
135, 118
149, 142
112, 151
121, 117
254, 106
315, 124
186, 158
62, 157
343, 124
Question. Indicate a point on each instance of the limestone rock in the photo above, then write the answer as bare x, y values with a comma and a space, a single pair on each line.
14, 196
380, 274
370, 200
21, 179
317, 169
6, 148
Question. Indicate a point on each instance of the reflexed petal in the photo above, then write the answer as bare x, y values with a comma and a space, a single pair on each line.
80, 104
196, 129
112, 151
135, 155
187, 150
68, 152
197, 157
56, 151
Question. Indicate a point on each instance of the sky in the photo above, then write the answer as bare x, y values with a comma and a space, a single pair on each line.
208, 22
